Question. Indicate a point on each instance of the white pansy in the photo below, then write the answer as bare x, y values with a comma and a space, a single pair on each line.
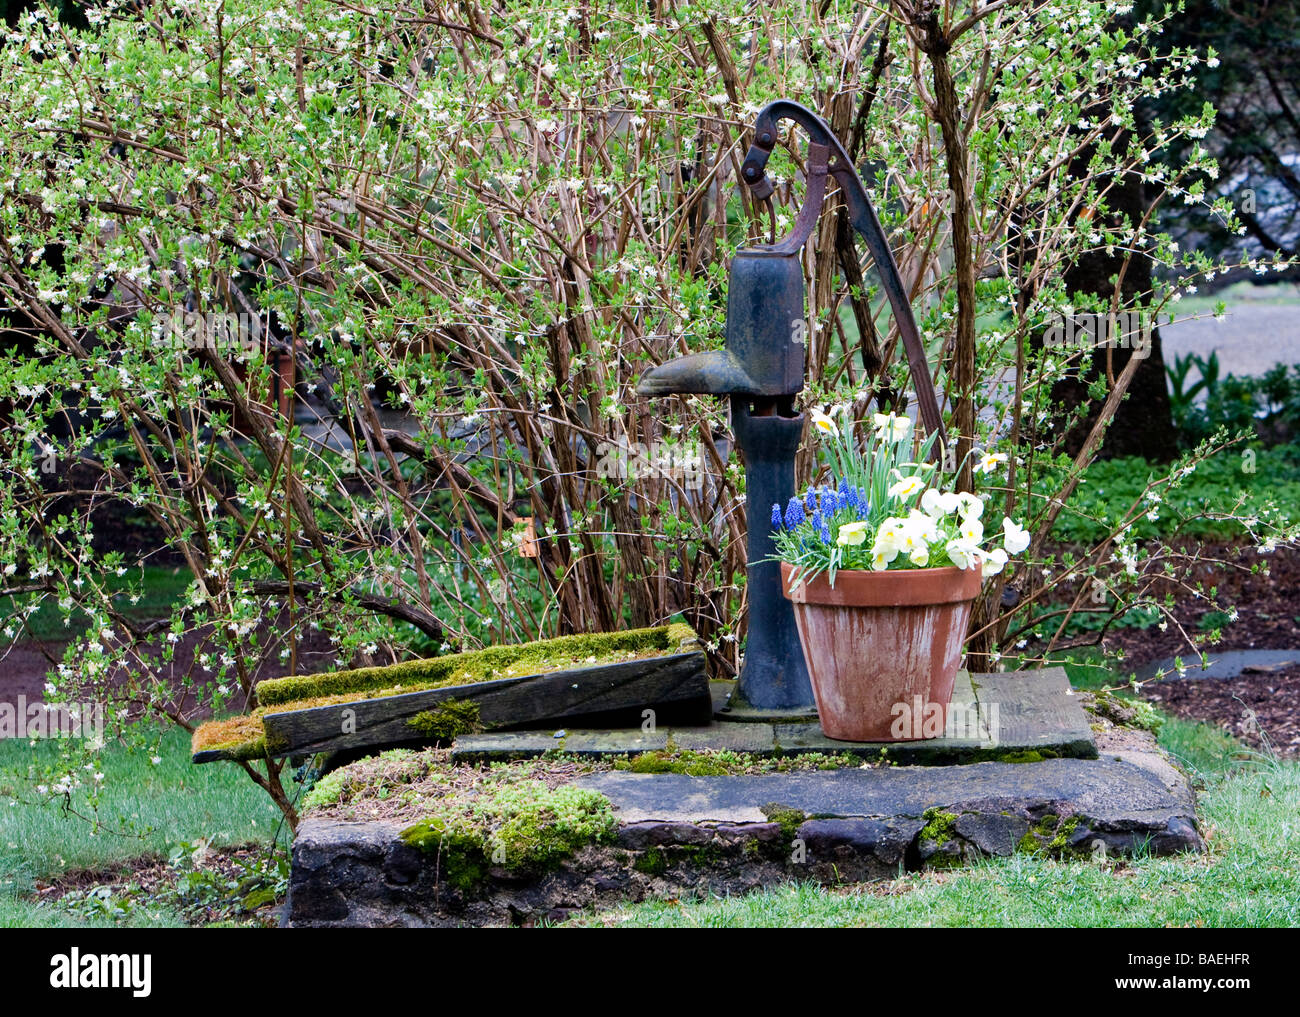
938, 503
852, 534
824, 422
962, 553
969, 505
1015, 537
994, 562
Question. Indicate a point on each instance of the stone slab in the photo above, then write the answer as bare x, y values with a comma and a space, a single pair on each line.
993, 717
731, 835
1108, 790
528, 744
1222, 664
1034, 710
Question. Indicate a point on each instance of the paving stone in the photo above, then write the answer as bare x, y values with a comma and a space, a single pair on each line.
1111, 792
527, 744
757, 739
993, 716
1222, 664
1029, 711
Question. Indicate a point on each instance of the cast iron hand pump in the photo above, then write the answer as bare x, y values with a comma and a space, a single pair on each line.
761, 368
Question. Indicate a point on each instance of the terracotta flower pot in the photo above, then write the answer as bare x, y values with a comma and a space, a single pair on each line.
881, 644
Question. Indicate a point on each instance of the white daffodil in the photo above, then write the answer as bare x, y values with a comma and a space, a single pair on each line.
1015, 537
852, 534
990, 461
891, 426
825, 423
906, 487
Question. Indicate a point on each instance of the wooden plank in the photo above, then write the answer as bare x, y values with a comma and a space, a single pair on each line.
507, 702
1034, 710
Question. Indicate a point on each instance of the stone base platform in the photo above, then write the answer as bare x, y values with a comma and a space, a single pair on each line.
680, 836
1015, 716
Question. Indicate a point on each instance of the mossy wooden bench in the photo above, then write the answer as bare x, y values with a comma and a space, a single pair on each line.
481, 690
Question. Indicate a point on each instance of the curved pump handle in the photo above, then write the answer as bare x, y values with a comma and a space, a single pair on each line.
863, 218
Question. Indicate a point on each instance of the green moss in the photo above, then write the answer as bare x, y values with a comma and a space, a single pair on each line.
940, 827
520, 825
459, 845
489, 664
1024, 756
447, 720
326, 792
254, 748
653, 862
1063, 833
1049, 834
694, 764
789, 819
725, 762
1126, 712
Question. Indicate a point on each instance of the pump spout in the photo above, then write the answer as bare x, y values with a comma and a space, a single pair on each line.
718, 372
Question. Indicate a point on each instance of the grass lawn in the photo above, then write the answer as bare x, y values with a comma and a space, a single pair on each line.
1250, 875
156, 590
146, 810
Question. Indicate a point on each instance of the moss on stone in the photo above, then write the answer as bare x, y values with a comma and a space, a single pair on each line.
1023, 756
326, 792
789, 819
1063, 832
653, 862
940, 826
489, 664
447, 720
1049, 834
517, 826
1124, 711
694, 764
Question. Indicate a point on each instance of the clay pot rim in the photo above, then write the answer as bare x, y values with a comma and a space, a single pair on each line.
887, 588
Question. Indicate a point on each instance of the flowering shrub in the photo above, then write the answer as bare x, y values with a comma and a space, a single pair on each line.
885, 510
461, 232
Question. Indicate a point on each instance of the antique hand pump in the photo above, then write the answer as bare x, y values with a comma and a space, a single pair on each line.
761, 369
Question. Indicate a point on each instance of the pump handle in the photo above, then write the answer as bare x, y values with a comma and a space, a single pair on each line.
863, 218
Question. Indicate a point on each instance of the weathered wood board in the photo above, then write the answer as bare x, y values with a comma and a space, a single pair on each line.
506, 702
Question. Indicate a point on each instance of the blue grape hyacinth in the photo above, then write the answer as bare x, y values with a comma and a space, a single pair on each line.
794, 514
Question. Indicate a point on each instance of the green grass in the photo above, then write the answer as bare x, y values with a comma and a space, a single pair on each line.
145, 810
1251, 877
160, 588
